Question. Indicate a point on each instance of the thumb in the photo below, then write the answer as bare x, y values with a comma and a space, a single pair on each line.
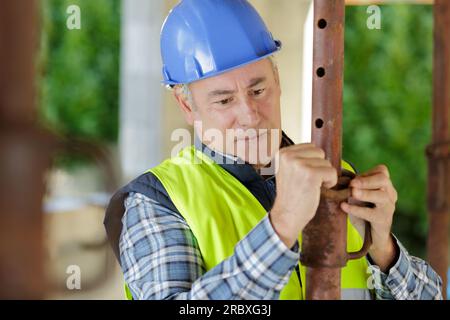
329, 177
357, 211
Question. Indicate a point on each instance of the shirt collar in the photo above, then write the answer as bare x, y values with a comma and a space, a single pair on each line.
240, 169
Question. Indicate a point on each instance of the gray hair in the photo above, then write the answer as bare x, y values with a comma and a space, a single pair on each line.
185, 91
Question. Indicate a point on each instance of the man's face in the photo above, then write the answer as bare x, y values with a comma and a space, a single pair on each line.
245, 100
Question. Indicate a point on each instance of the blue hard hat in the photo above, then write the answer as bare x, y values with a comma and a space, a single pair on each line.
203, 38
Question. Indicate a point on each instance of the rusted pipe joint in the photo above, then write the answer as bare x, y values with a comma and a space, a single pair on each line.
317, 250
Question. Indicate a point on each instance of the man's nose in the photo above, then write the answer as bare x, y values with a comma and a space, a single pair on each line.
248, 114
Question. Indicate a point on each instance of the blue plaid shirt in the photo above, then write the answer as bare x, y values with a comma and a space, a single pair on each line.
160, 259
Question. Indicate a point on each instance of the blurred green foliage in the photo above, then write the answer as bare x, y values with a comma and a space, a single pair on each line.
79, 69
387, 106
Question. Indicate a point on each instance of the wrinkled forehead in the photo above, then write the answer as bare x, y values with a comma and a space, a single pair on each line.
242, 77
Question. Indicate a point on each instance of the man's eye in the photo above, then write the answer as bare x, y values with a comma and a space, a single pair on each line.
224, 101
258, 92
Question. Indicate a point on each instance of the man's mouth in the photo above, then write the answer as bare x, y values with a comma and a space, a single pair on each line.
253, 136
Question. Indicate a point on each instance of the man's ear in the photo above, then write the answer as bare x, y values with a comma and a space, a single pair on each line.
185, 107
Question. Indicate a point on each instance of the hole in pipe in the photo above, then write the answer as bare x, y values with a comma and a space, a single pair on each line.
319, 123
322, 23
320, 72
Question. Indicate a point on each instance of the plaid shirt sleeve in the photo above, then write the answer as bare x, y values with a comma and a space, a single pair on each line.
410, 278
160, 258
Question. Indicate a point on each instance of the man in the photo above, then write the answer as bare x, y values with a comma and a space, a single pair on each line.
223, 220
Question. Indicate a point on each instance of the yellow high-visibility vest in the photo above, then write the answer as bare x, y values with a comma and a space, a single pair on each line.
221, 211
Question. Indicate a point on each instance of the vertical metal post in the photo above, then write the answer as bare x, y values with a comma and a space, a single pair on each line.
438, 150
325, 237
24, 155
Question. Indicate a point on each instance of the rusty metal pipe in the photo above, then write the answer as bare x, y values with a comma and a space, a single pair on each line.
324, 244
24, 155
438, 151
325, 237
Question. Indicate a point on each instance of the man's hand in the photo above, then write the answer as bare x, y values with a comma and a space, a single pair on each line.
375, 186
301, 171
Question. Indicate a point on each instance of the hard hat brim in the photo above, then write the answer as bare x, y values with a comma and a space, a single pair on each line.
216, 73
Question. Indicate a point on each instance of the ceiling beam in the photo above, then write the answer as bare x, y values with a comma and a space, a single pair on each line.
371, 2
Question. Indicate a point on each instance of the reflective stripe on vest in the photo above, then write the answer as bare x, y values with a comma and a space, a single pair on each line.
197, 185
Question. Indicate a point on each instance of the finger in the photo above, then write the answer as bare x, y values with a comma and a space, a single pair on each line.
311, 152
300, 146
329, 176
376, 181
377, 197
393, 195
381, 168
357, 211
315, 162
306, 150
